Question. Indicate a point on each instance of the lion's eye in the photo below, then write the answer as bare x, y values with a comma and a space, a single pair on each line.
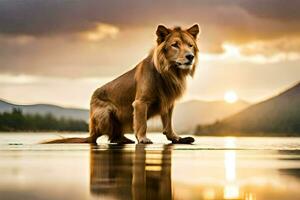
190, 45
175, 45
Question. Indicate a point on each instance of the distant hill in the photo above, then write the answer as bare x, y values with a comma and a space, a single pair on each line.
188, 115
279, 115
16, 120
42, 109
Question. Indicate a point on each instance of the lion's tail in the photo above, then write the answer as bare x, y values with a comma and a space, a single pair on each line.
69, 140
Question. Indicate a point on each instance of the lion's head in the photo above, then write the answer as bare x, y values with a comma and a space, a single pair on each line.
176, 48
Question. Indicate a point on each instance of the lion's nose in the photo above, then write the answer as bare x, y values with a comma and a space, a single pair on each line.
190, 57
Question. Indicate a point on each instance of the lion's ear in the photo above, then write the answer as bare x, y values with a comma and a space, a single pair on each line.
194, 30
162, 32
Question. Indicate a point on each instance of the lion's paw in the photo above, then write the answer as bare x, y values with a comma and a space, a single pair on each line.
145, 140
184, 140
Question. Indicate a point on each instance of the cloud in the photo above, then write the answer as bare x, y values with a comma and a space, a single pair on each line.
256, 53
272, 47
76, 56
16, 80
104, 38
101, 31
273, 9
24, 89
48, 17
16, 40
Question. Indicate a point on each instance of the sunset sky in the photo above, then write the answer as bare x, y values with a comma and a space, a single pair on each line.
59, 52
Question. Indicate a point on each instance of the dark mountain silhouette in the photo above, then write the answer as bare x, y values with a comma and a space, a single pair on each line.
279, 115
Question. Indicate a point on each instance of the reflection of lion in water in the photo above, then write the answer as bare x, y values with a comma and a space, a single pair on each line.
149, 89
120, 173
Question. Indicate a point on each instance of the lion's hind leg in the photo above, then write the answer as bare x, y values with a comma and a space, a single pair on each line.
100, 123
117, 135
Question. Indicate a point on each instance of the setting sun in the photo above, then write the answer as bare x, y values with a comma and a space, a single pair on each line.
230, 96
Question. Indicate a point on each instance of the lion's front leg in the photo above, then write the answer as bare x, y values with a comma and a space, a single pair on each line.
171, 135
140, 121
166, 119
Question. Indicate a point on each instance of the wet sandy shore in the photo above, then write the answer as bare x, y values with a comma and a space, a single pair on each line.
212, 168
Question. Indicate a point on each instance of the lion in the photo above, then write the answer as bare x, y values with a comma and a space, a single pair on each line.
149, 89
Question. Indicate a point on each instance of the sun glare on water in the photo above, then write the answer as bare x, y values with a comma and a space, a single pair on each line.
230, 96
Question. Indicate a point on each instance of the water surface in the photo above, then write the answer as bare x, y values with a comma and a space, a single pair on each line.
213, 168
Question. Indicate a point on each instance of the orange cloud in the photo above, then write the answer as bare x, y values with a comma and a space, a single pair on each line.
100, 32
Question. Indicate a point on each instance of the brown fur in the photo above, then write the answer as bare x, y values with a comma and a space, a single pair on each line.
149, 89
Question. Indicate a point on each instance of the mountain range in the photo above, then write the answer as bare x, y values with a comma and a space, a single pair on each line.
278, 116
187, 115
43, 109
